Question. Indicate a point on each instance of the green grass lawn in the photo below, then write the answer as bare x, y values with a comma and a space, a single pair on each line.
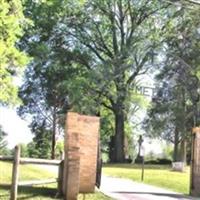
42, 192
158, 175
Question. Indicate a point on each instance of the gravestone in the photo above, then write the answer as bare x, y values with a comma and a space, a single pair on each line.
81, 147
195, 167
178, 166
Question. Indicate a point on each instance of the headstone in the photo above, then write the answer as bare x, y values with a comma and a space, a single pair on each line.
178, 166
195, 167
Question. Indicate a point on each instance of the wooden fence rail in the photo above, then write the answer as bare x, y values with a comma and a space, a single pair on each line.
6, 158
15, 172
39, 161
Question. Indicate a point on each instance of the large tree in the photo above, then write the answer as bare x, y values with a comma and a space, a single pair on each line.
106, 43
175, 109
44, 96
120, 38
48, 81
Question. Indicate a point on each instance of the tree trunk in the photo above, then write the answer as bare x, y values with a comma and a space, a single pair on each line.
119, 113
183, 150
119, 156
53, 135
111, 149
176, 141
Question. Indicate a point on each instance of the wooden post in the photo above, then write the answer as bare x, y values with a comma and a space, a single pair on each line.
15, 173
60, 178
142, 176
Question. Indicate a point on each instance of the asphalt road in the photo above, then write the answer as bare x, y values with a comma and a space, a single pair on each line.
123, 189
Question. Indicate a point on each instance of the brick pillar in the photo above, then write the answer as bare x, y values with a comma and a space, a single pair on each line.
72, 158
81, 142
89, 134
195, 167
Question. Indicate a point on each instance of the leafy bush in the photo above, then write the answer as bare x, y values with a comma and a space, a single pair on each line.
159, 161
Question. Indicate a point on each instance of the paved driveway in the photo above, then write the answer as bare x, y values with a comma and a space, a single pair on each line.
123, 189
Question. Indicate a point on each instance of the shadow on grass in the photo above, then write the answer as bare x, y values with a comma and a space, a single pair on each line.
28, 192
138, 166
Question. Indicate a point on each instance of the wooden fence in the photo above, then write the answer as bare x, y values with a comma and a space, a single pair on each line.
17, 160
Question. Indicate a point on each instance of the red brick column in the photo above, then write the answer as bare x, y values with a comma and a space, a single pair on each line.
195, 168
81, 142
72, 158
89, 134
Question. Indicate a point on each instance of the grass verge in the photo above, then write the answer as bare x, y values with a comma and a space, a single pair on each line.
158, 175
41, 192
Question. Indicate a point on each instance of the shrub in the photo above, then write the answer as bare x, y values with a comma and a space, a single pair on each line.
159, 161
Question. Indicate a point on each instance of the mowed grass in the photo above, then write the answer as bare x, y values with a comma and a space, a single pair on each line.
26, 172
41, 192
158, 175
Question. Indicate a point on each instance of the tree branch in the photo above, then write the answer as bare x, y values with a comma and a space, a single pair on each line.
193, 2
114, 34
138, 68
88, 45
121, 21
108, 51
107, 106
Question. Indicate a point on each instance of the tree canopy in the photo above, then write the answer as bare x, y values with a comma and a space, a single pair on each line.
12, 22
175, 109
87, 57
119, 39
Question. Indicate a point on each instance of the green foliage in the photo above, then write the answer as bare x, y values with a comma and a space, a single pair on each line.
151, 156
175, 108
51, 84
107, 129
40, 147
87, 55
12, 22
119, 40
59, 150
167, 152
3, 142
24, 150
159, 161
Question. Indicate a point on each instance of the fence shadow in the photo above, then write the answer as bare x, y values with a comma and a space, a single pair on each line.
28, 192
6, 188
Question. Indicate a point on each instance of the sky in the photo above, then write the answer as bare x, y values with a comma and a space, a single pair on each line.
16, 128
